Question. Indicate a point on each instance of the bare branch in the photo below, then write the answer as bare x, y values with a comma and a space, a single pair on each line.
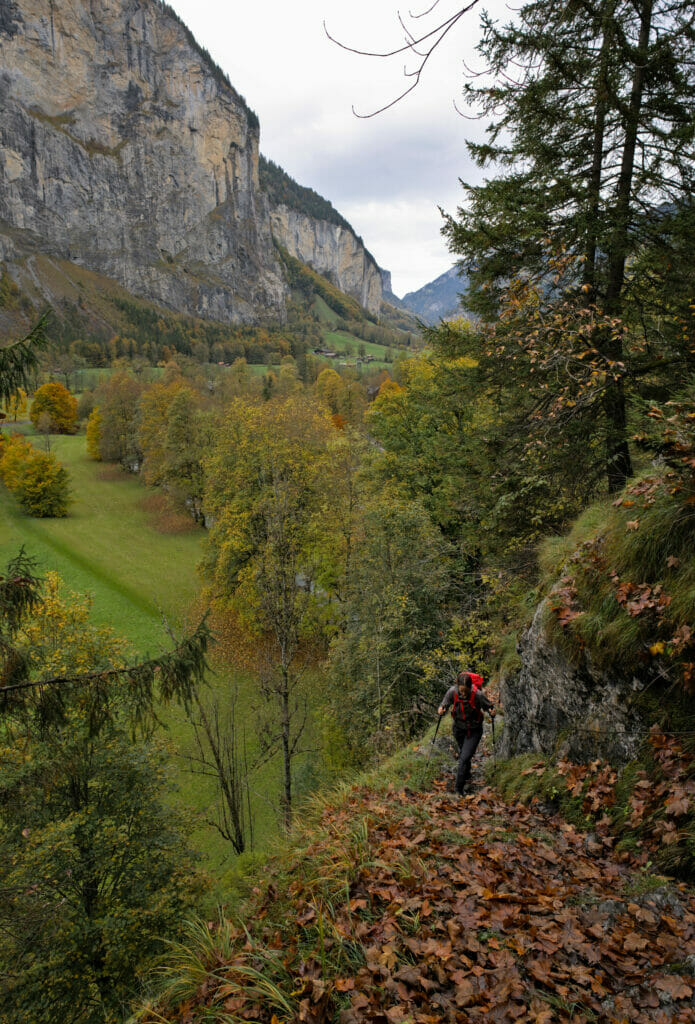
431, 40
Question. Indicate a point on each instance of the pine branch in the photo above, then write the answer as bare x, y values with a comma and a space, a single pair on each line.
172, 676
19, 592
20, 359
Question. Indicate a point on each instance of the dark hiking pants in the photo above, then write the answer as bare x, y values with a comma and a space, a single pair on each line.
468, 744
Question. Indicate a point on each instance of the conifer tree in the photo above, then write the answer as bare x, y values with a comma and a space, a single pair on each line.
593, 134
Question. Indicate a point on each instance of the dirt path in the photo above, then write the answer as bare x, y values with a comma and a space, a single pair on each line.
476, 910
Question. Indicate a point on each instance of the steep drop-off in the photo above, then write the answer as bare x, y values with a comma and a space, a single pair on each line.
123, 148
311, 230
333, 251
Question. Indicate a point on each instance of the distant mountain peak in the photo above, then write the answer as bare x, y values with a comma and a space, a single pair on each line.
439, 299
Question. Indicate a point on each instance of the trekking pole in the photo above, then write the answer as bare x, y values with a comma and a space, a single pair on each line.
494, 752
439, 722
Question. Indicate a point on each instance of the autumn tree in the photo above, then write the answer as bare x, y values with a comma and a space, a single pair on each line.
40, 483
189, 434
265, 476
173, 433
16, 406
395, 611
93, 434
118, 398
52, 403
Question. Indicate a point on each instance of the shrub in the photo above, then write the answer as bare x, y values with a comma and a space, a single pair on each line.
56, 401
41, 484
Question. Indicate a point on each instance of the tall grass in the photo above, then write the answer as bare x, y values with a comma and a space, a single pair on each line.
643, 543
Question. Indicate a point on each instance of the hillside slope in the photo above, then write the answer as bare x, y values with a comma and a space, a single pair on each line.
440, 299
313, 231
403, 903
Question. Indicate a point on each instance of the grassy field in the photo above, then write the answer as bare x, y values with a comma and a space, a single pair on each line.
108, 547
260, 369
337, 341
325, 314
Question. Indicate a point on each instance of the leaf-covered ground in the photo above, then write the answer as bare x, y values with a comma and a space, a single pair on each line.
423, 907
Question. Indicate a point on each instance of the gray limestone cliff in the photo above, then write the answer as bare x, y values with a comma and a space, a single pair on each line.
578, 711
124, 149
331, 249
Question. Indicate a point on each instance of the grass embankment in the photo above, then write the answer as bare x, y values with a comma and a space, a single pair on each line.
109, 548
620, 592
397, 902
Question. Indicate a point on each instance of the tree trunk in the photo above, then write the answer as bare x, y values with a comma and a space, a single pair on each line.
618, 461
286, 756
595, 174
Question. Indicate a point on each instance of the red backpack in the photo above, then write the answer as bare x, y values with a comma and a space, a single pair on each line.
478, 681
477, 715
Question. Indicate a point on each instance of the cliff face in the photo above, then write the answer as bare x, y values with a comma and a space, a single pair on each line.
333, 251
575, 710
122, 149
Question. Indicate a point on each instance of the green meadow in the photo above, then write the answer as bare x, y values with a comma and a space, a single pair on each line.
108, 547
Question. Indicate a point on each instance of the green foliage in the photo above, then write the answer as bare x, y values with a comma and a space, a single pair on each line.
266, 475
19, 360
424, 428
592, 150
173, 435
394, 615
118, 400
309, 283
145, 332
94, 869
627, 577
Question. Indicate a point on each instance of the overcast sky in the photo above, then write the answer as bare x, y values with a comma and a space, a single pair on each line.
386, 175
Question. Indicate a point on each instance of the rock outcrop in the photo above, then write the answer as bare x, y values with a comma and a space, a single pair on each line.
577, 711
332, 250
124, 149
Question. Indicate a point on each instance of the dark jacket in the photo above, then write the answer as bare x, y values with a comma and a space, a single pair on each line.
464, 714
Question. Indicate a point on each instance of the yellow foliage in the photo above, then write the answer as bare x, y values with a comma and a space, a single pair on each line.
54, 401
60, 638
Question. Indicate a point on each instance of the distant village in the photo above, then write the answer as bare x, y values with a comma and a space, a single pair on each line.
328, 354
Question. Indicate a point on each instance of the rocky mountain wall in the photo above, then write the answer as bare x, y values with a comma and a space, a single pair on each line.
121, 149
577, 711
440, 299
333, 251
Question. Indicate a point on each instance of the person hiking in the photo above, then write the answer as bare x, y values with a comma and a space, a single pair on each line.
467, 703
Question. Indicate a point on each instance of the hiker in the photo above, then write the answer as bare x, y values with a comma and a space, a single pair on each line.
467, 703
